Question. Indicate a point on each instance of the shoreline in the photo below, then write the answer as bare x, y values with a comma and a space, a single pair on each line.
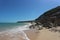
31, 34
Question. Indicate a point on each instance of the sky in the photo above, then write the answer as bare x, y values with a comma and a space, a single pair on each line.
22, 10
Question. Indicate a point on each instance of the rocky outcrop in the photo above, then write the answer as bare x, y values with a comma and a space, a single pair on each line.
50, 18
35, 26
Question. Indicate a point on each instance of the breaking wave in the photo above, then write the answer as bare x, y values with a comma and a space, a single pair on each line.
15, 33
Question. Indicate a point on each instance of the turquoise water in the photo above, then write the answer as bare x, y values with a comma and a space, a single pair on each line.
13, 29
6, 26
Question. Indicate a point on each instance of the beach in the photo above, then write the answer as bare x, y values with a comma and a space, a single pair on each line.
44, 34
32, 34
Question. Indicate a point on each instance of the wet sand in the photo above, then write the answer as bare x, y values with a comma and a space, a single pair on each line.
31, 34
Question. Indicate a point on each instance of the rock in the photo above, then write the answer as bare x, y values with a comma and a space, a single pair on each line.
50, 18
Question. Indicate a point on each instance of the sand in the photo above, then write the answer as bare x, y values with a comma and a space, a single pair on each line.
31, 34
43, 34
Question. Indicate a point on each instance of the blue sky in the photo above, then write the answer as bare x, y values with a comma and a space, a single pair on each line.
18, 10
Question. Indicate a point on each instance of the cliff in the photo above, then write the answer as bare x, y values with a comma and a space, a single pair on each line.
50, 18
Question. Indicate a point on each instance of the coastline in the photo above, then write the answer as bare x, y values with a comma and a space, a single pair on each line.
32, 34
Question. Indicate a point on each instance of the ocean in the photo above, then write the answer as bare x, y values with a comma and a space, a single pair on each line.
9, 26
13, 29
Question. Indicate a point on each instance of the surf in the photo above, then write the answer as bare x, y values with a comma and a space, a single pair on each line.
16, 32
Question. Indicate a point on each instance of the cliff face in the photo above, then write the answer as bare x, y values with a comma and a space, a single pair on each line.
50, 18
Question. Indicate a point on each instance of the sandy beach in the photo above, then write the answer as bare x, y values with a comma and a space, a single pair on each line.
43, 34
31, 34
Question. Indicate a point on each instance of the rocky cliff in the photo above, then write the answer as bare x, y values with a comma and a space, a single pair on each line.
50, 18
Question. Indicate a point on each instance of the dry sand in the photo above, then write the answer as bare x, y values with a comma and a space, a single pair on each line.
43, 34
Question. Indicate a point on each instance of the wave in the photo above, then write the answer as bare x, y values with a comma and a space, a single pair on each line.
15, 32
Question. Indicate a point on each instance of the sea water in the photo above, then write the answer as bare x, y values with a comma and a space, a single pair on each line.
13, 29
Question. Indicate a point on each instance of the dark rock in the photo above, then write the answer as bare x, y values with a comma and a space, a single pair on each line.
50, 18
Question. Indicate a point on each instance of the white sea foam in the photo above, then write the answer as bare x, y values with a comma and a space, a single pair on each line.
13, 33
